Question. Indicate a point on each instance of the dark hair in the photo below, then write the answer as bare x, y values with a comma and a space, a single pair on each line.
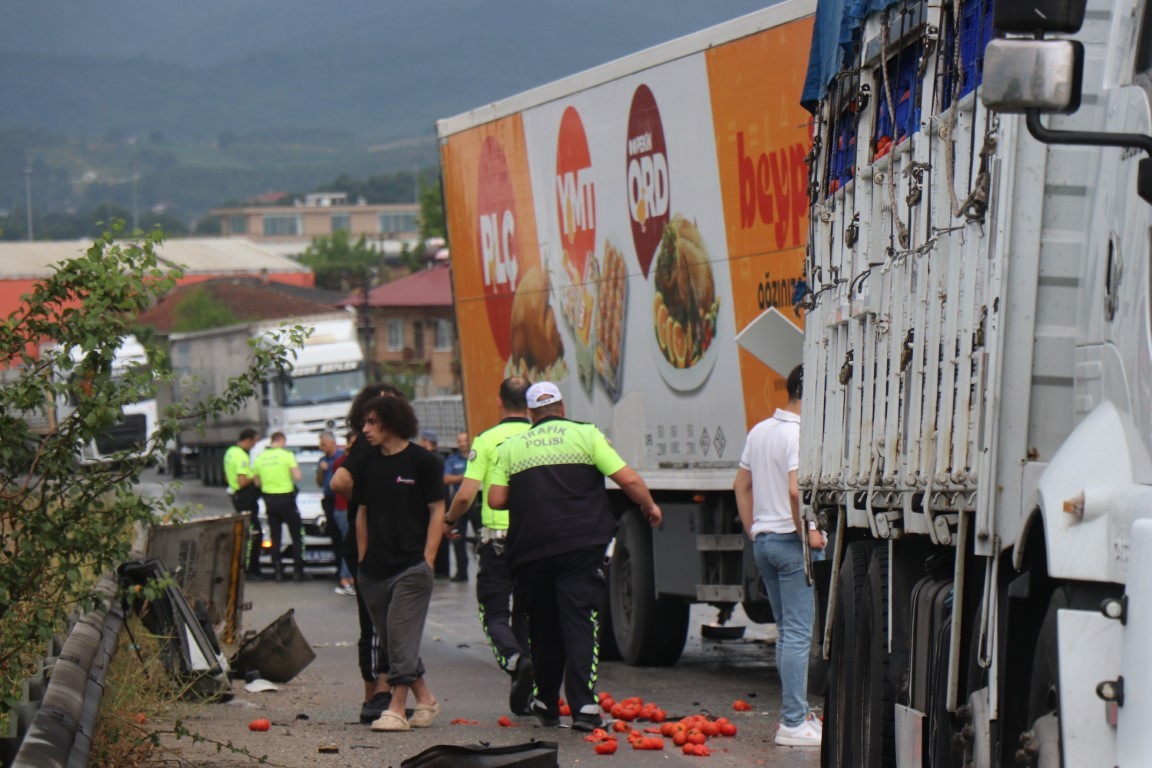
796, 383
513, 393
248, 434
356, 410
277, 437
395, 415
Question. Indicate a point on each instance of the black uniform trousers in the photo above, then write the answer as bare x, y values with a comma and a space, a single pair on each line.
504, 623
248, 502
281, 510
564, 597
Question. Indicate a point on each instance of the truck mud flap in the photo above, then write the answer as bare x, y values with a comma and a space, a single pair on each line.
931, 609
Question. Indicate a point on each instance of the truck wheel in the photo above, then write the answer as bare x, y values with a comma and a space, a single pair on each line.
606, 635
1042, 734
208, 466
836, 748
878, 672
650, 632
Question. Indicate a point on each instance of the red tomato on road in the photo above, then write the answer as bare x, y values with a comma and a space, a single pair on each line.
261, 724
607, 747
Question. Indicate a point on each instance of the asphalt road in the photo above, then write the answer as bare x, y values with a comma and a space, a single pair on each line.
320, 707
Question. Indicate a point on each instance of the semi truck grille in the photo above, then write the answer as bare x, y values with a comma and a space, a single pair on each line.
128, 434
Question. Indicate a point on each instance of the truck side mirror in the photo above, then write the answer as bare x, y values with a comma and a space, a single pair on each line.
1030, 16
1042, 75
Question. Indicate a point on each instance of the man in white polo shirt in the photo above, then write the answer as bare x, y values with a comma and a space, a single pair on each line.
768, 498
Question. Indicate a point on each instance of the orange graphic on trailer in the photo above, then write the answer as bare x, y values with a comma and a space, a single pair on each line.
762, 138
575, 193
503, 294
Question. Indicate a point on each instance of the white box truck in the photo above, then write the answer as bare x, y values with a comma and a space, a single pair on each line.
613, 232
974, 290
977, 369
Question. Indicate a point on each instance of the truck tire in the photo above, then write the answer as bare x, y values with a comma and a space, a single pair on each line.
207, 466
649, 632
838, 740
878, 672
174, 465
608, 650
1044, 688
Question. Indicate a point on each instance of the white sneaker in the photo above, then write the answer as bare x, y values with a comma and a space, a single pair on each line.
803, 735
816, 722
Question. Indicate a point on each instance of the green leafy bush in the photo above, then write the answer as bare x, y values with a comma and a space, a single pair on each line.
63, 523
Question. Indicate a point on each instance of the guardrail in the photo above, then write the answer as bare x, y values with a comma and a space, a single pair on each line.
55, 724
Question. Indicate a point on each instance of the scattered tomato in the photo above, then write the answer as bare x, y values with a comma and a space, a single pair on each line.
680, 738
710, 728
597, 735
741, 706
261, 724
606, 747
728, 729
620, 726
658, 715
506, 722
140, 718
464, 721
565, 710
696, 737
607, 704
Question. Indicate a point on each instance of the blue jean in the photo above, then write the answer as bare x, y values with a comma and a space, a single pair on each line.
340, 517
780, 560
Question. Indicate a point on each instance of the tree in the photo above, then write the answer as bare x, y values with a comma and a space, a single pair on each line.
62, 527
432, 213
198, 310
340, 264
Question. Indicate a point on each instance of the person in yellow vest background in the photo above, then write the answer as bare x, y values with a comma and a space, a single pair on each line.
245, 494
277, 474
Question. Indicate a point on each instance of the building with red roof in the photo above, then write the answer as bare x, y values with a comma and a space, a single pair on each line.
415, 330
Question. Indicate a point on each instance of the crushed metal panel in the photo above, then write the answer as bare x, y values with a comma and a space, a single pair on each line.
206, 558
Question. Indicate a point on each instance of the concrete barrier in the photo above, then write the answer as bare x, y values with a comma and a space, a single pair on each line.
60, 733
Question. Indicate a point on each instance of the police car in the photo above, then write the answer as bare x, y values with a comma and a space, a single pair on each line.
319, 554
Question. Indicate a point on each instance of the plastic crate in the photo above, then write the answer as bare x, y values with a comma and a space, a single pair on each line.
843, 156
905, 94
976, 31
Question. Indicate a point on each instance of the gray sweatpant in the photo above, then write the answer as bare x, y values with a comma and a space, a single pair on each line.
398, 606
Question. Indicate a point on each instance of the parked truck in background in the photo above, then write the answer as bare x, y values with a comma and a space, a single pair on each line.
977, 423
973, 286
129, 434
613, 232
313, 396
443, 415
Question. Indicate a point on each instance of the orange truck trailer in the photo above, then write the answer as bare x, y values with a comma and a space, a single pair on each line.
614, 232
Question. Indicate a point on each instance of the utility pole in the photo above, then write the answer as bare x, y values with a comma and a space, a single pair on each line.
135, 210
28, 197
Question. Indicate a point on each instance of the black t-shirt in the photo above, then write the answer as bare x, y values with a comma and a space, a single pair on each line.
353, 459
396, 491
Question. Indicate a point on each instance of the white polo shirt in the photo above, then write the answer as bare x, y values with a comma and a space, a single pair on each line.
771, 452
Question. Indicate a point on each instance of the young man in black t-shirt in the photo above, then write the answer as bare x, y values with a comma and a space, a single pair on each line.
398, 490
